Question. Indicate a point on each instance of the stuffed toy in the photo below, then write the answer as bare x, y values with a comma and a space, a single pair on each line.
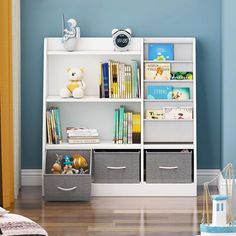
68, 170
76, 86
56, 167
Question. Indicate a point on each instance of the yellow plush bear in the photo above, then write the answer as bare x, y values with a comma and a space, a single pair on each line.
76, 86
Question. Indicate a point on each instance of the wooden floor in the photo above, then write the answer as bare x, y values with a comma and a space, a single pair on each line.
113, 216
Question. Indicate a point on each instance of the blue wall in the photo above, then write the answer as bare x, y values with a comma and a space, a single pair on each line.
228, 82
199, 18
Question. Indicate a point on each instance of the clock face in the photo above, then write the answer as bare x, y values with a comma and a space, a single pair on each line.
122, 40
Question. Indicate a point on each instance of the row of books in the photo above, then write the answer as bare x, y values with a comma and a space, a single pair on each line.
162, 71
168, 92
82, 135
119, 80
54, 134
170, 113
127, 127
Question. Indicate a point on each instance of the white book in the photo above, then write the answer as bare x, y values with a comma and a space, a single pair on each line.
84, 141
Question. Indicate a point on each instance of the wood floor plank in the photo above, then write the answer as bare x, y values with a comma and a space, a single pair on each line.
113, 216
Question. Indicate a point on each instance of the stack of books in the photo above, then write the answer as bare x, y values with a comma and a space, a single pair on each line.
119, 80
82, 135
54, 134
127, 127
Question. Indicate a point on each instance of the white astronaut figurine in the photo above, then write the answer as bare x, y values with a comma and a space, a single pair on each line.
73, 31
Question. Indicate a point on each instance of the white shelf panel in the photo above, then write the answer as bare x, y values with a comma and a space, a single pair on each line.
166, 100
170, 61
168, 81
168, 146
101, 145
180, 120
90, 99
74, 53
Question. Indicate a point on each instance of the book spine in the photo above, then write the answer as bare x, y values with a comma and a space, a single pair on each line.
117, 126
139, 84
100, 81
114, 127
121, 124
133, 79
130, 81
83, 141
125, 133
58, 125
109, 78
129, 127
105, 79
49, 129
54, 136
115, 85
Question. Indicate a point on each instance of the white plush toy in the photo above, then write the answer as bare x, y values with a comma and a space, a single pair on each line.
76, 86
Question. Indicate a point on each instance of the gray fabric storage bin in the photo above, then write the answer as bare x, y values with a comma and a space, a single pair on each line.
74, 187
116, 167
168, 167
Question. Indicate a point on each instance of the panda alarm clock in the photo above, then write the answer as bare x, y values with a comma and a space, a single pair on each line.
121, 39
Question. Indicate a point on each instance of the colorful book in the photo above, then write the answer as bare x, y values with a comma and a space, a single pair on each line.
125, 132
53, 126
129, 127
159, 92
160, 51
58, 125
157, 71
178, 113
101, 90
105, 73
181, 93
181, 75
154, 114
114, 80
117, 126
121, 123
136, 128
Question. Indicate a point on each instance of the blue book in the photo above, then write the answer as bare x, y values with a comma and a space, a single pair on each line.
105, 79
159, 92
160, 52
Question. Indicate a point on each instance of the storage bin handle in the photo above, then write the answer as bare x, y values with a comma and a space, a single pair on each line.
168, 167
67, 189
116, 167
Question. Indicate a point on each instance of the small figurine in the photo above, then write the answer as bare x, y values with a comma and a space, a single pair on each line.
56, 167
76, 86
68, 170
70, 35
73, 31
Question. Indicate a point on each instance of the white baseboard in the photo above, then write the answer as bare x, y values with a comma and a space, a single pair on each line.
33, 177
206, 175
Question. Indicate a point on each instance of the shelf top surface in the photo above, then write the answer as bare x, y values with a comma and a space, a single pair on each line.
91, 99
101, 145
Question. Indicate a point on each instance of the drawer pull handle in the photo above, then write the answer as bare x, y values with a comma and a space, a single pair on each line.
116, 167
168, 167
67, 189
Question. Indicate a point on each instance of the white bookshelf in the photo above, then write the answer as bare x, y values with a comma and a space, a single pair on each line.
94, 112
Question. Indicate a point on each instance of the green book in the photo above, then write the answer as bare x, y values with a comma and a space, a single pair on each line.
114, 127
117, 125
58, 124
